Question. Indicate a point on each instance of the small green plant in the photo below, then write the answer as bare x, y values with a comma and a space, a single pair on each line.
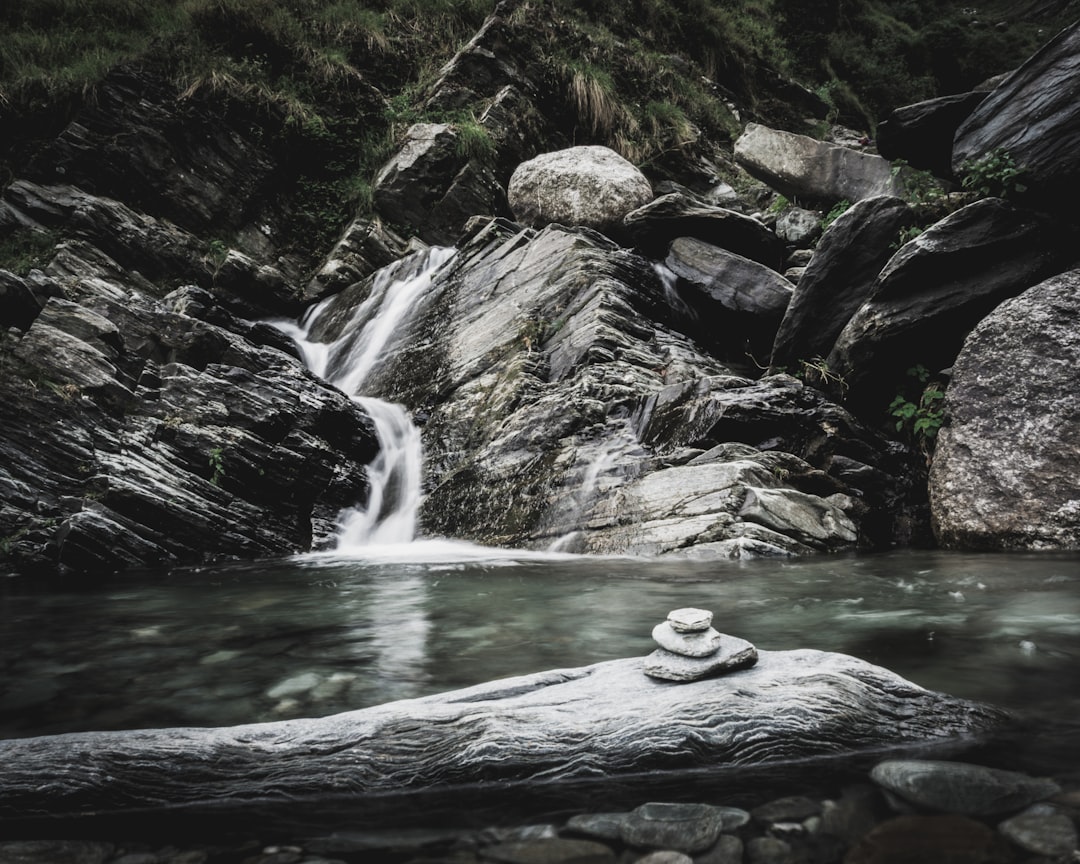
905, 236
217, 252
994, 175
838, 210
816, 373
779, 205
217, 466
26, 248
473, 141
919, 187
921, 417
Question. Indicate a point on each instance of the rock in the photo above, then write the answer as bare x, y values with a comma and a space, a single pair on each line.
433, 184
665, 857
934, 291
690, 620
553, 851
590, 186
860, 807
733, 653
683, 827
1013, 427
559, 726
802, 167
958, 787
795, 808
728, 850
18, 305
654, 226
922, 134
365, 246
295, 685
798, 226
838, 279
602, 826
698, 644
54, 852
769, 850
1033, 117
1043, 830
955, 839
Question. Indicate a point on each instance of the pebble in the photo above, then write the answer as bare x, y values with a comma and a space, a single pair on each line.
689, 620
295, 685
734, 654
1041, 829
698, 644
794, 808
602, 826
682, 827
958, 787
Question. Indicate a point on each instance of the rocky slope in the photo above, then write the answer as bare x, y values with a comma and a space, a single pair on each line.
602, 391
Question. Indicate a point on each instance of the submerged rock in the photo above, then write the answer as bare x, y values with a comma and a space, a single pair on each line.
957, 787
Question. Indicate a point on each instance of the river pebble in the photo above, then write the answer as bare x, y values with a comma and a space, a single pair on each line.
1041, 829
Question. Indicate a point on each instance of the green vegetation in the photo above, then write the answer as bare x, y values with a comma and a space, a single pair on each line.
217, 466
918, 409
25, 248
838, 210
994, 175
920, 187
906, 235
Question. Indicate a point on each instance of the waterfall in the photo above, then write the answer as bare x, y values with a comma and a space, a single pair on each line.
394, 477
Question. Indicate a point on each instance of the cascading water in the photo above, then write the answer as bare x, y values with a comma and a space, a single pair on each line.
389, 516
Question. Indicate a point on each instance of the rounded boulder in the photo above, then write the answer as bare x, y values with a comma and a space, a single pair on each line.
590, 186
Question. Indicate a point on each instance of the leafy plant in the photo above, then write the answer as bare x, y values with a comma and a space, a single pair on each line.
919, 186
905, 236
816, 373
994, 175
25, 248
779, 205
473, 140
217, 466
920, 418
838, 210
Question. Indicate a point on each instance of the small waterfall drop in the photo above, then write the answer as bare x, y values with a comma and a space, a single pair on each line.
394, 497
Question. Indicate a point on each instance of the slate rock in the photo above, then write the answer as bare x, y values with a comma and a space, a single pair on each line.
689, 620
590, 186
683, 827
1043, 830
734, 283
733, 653
1014, 427
1035, 117
653, 227
18, 305
805, 168
955, 839
922, 134
699, 644
959, 787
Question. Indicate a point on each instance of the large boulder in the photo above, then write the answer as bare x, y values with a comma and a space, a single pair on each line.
547, 730
802, 167
1033, 116
935, 290
654, 226
1004, 474
592, 187
922, 134
839, 278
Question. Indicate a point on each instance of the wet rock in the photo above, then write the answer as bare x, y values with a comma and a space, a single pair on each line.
799, 226
1033, 116
955, 839
769, 850
802, 167
18, 305
602, 826
859, 808
934, 291
922, 134
728, 850
365, 246
590, 186
1014, 427
733, 653
553, 851
696, 644
675, 214
839, 278
1043, 830
682, 827
958, 787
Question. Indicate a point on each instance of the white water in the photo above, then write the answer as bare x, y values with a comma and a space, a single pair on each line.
389, 516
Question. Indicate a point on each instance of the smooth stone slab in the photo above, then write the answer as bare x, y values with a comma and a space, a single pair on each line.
682, 827
689, 620
1041, 829
700, 644
734, 653
958, 787
602, 826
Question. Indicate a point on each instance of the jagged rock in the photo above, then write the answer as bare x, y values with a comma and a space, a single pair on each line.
839, 278
802, 167
1034, 117
1004, 471
593, 187
799, 226
934, 290
958, 787
434, 185
655, 225
922, 134
140, 436
18, 305
605, 720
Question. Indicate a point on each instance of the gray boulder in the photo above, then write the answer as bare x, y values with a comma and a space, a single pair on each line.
1034, 116
1004, 473
934, 291
606, 720
654, 226
593, 187
839, 278
799, 226
922, 134
802, 167
959, 787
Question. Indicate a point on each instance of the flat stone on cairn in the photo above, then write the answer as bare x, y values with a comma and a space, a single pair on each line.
691, 649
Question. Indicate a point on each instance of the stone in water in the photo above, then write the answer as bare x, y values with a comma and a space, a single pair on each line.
734, 654
702, 643
689, 620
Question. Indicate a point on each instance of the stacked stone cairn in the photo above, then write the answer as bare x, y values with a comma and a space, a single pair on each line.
691, 649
